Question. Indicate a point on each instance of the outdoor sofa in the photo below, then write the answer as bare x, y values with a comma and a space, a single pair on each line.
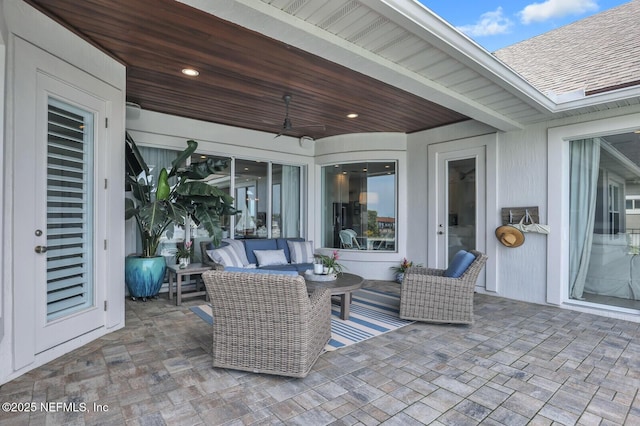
278, 254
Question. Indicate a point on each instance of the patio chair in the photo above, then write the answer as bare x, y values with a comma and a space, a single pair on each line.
267, 322
348, 239
428, 295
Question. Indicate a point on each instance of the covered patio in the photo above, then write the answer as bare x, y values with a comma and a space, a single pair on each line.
520, 363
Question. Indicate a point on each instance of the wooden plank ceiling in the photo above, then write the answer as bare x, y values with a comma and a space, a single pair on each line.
243, 74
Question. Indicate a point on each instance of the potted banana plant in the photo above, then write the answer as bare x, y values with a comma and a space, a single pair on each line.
156, 208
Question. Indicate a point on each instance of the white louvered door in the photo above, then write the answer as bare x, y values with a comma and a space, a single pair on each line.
69, 302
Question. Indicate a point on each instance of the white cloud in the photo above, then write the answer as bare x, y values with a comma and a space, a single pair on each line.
490, 23
549, 9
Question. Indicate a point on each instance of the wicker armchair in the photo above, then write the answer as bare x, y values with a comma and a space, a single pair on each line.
427, 295
267, 323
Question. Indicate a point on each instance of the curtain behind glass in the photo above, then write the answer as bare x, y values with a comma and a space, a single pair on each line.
584, 165
156, 159
290, 201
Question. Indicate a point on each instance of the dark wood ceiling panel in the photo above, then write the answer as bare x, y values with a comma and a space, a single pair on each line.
243, 74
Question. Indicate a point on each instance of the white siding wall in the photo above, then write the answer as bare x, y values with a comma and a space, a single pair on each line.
522, 180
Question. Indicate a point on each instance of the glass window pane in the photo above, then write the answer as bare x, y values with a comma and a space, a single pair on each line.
462, 201
604, 238
285, 209
157, 159
252, 198
359, 202
221, 180
70, 159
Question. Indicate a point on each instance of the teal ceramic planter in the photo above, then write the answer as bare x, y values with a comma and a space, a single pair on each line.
144, 275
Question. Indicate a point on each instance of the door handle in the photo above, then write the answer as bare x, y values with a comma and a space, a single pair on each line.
41, 249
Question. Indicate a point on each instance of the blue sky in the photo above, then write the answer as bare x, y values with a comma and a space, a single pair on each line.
494, 24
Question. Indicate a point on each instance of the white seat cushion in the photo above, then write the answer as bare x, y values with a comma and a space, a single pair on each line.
270, 257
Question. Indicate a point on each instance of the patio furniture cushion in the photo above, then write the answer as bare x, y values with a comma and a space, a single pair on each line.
247, 250
258, 244
262, 271
301, 251
226, 256
270, 257
283, 243
239, 248
460, 262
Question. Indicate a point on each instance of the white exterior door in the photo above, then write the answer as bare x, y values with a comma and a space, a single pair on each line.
457, 207
59, 205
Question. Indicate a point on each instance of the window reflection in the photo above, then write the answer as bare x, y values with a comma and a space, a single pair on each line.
604, 220
359, 202
253, 197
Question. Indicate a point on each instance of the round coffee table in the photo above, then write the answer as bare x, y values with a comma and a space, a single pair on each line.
342, 286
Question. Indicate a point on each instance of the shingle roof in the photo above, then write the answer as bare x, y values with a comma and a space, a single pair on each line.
596, 54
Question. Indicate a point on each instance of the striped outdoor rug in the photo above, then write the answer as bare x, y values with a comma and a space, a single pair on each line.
372, 313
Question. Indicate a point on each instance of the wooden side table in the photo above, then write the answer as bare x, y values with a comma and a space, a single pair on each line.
192, 269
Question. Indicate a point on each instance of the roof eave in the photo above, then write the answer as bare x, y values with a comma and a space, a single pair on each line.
613, 96
422, 21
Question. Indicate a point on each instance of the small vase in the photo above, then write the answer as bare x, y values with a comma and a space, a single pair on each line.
317, 268
184, 262
399, 277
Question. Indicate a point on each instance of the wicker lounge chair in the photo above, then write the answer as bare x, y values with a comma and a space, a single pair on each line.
267, 323
427, 295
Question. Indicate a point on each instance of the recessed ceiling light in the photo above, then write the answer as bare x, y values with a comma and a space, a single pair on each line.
352, 115
190, 72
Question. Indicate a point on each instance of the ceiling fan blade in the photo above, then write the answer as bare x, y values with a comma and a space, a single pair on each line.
287, 125
324, 128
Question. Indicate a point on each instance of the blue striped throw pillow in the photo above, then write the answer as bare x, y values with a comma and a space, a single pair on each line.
301, 251
226, 256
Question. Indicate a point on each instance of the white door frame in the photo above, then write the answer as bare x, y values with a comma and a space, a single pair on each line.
28, 282
490, 217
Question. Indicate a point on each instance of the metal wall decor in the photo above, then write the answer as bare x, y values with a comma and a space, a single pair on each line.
513, 215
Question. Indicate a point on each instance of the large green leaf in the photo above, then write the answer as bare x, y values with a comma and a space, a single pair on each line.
204, 203
198, 188
182, 157
134, 161
130, 209
203, 169
210, 219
